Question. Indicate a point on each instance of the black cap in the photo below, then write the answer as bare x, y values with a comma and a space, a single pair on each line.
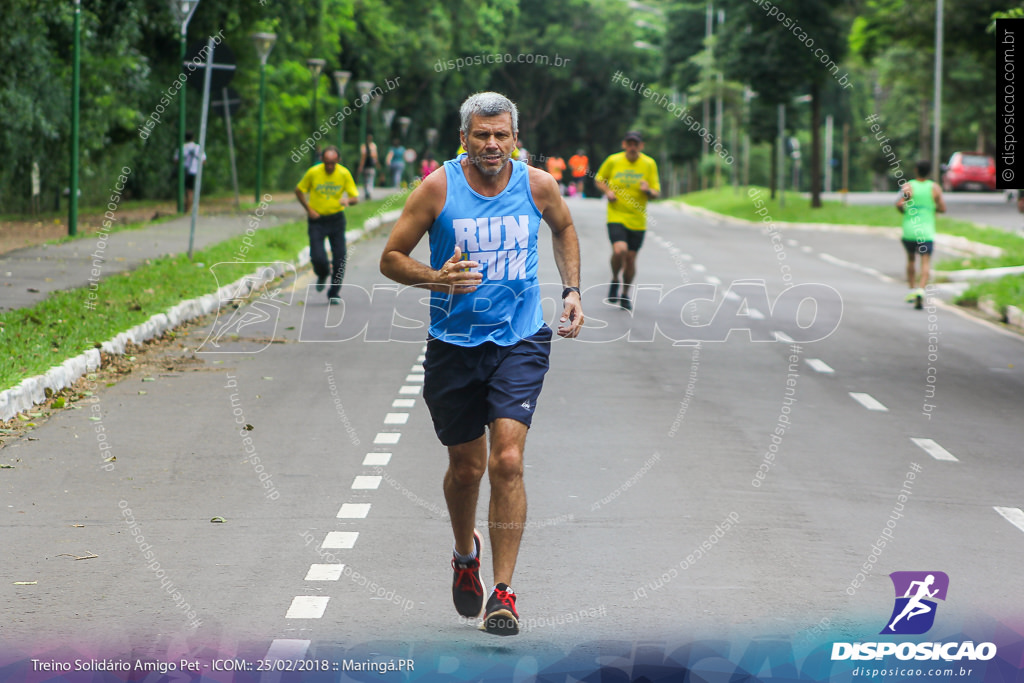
634, 135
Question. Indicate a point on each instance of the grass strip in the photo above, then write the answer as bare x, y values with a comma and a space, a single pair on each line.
798, 210
69, 322
1006, 291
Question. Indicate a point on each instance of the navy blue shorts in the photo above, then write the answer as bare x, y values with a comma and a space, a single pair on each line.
617, 232
468, 387
915, 247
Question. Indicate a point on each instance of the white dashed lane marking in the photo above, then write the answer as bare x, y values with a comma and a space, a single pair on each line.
376, 459
413, 379
324, 572
340, 540
307, 607
403, 403
410, 389
287, 649
387, 438
755, 314
935, 450
354, 510
396, 418
783, 337
820, 366
868, 401
712, 280
416, 368
1014, 516
366, 482
699, 268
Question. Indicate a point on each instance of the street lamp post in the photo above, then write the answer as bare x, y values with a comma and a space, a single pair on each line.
364, 88
184, 9
341, 79
316, 66
75, 79
264, 44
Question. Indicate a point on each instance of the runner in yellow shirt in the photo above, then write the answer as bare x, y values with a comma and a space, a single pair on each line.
627, 179
331, 188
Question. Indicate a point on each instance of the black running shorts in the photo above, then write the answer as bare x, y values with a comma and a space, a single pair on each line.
468, 387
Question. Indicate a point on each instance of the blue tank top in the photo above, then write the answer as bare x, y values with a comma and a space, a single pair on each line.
500, 233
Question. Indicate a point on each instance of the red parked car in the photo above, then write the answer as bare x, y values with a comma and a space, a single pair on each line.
969, 171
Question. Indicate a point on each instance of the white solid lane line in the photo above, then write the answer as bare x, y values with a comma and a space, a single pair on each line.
1014, 516
307, 607
868, 401
821, 366
935, 450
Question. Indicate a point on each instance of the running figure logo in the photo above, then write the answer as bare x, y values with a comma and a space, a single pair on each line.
256, 307
914, 611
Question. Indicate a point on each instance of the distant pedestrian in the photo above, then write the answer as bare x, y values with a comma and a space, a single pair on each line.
556, 167
488, 345
429, 165
628, 179
396, 162
919, 200
368, 162
331, 188
191, 153
579, 165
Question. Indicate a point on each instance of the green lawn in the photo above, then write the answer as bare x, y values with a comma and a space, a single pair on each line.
798, 209
65, 324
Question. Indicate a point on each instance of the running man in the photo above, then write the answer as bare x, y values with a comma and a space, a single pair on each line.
331, 188
914, 606
487, 351
627, 179
918, 201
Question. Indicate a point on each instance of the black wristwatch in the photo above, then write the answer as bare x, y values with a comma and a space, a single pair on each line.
565, 292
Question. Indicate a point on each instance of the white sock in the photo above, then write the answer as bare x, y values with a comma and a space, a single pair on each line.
463, 559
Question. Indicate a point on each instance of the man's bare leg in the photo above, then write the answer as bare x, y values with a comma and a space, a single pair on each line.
466, 464
507, 514
926, 262
628, 272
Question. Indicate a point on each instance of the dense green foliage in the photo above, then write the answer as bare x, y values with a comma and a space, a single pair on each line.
556, 59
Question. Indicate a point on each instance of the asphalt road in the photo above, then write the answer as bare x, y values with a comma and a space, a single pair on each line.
649, 524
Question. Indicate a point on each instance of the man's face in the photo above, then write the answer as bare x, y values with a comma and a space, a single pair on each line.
330, 161
489, 142
633, 149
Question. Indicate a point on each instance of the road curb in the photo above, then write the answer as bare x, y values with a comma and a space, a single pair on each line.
32, 391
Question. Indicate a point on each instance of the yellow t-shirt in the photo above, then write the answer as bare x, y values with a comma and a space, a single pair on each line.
623, 177
325, 190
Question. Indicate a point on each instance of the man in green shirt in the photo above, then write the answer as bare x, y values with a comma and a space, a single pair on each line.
919, 200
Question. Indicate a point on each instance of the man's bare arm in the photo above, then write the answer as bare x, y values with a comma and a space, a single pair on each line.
420, 212
566, 246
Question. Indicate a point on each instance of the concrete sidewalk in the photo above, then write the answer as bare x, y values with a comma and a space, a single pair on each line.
29, 275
